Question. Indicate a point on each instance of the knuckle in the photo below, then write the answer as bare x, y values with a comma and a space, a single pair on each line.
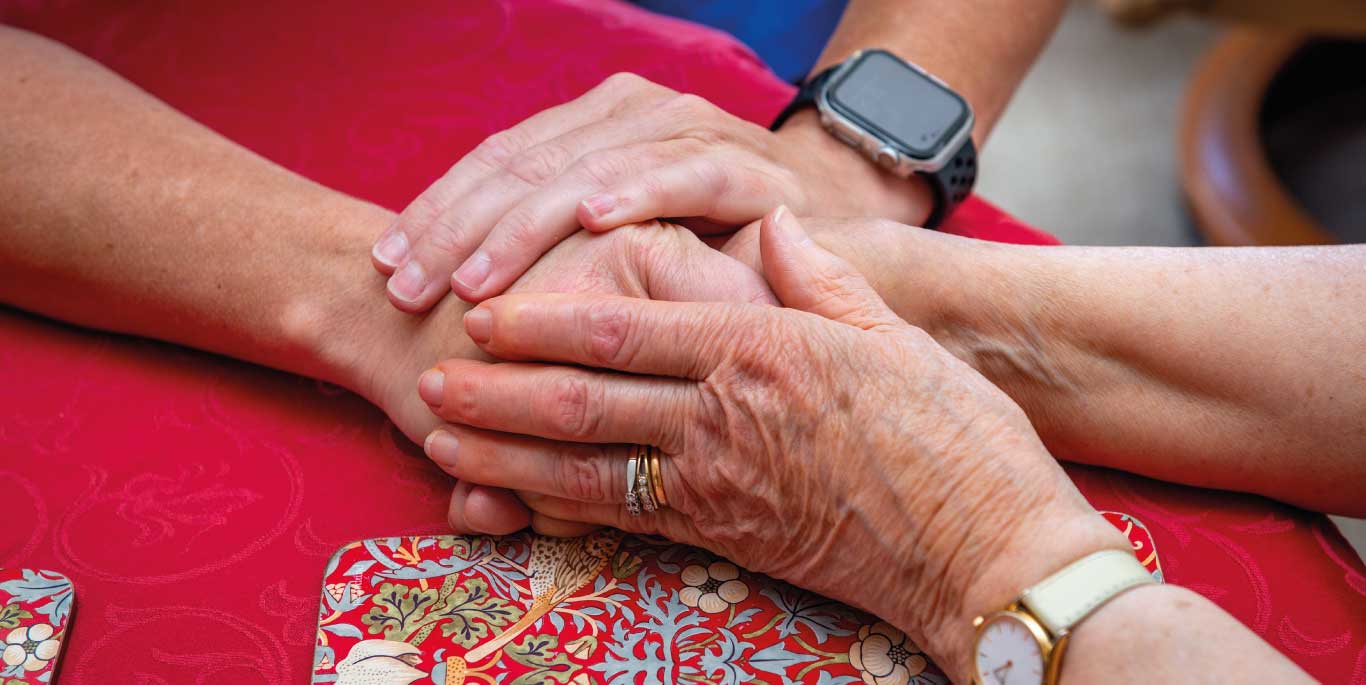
622, 80
690, 105
716, 183
602, 168
426, 209
447, 235
500, 148
609, 327
463, 405
539, 163
581, 479
627, 89
574, 413
654, 186
519, 230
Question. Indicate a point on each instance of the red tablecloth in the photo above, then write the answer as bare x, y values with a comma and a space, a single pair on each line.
194, 500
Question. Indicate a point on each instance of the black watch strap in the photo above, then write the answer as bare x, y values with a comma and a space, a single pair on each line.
950, 185
805, 97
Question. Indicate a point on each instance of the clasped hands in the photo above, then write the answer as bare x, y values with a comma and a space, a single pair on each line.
812, 441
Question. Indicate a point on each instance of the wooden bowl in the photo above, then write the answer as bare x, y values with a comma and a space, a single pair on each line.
1272, 128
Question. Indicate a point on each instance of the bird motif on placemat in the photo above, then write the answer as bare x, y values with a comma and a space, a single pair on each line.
557, 569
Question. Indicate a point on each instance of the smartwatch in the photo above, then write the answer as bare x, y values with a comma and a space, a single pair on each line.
899, 116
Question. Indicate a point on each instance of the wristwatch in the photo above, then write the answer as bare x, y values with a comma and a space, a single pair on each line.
1024, 643
899, 116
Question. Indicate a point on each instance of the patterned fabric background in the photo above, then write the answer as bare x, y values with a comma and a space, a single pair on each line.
195, 501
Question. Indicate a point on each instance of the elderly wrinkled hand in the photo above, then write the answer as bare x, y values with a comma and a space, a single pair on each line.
831, 444
628, 150
651, 260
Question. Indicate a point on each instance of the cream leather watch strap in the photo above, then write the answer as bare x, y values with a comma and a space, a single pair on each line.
1063, 599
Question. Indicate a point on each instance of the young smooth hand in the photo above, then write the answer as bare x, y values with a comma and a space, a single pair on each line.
628, 150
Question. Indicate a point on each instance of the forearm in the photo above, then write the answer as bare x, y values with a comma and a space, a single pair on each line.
120, 213
1150, 634
982, 49
1232, 368
1168, 634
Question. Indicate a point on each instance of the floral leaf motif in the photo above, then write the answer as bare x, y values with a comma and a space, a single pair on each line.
36, 586
398, 611
827, 679
581, 648
469, 611
668, 623
801, 608
540, 654
344, 630
722, 663
12, 614
459, 545
776, 659
359, 567
625, 564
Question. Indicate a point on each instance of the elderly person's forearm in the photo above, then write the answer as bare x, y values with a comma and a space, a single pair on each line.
848, 453
1236, 368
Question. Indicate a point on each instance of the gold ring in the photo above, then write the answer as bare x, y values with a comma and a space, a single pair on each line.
656, 475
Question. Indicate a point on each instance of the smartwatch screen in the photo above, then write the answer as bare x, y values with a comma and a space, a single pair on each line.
884, 94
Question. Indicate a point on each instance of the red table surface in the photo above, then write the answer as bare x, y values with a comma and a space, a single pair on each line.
194, 500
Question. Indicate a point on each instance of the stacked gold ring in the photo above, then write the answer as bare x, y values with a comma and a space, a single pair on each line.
656, 476
644, 481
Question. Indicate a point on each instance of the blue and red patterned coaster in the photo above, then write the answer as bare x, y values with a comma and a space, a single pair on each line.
35, 612
606, 609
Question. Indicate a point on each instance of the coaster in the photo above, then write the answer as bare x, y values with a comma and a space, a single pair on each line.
1140, 538
606, 609
35, 610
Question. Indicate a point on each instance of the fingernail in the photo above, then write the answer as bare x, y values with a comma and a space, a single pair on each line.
442, 447
391, 250
408, 283
479, 325
472, 273
599, 205
431, 387
788, 227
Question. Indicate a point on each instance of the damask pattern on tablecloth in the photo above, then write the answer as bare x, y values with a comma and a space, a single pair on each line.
194, 500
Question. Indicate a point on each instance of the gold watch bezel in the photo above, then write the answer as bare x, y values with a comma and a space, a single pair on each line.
1049, 648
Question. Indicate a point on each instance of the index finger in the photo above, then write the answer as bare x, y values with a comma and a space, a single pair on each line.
680, 339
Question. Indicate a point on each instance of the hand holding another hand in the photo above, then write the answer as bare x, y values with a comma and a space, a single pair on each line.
652, 260
627, 151
813, 445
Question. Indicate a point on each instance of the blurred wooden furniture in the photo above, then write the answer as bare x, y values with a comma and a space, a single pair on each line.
1320, 17
1271, 137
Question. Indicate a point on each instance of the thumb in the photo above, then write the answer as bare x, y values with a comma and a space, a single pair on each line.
691, 271
805, 276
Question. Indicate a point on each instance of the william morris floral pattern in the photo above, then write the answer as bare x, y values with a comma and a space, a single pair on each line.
34, 610
884, 656
607, 609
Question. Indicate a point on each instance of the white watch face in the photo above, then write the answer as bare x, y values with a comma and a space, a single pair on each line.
1008, 653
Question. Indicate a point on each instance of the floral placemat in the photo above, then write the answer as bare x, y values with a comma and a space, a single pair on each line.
606, 609
35, 610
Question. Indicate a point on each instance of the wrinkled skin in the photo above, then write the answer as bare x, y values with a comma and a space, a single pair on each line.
653, 260
832, 444
628, 150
